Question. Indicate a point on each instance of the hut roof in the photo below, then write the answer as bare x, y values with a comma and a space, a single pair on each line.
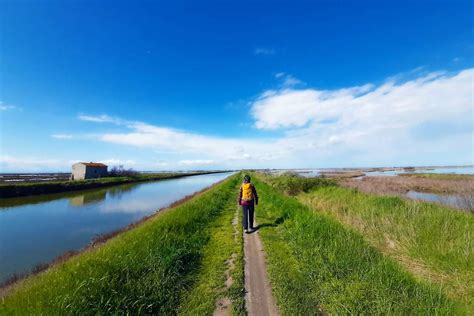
93, 164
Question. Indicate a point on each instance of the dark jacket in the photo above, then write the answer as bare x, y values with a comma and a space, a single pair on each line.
251, 202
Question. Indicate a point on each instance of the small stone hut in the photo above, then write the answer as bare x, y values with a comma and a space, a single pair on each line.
88, 170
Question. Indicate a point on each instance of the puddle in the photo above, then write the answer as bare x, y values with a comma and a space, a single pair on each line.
448, 200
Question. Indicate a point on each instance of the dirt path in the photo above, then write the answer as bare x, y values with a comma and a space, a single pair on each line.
259, 300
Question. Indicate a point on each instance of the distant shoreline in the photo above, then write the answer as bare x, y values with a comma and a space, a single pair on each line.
22, 189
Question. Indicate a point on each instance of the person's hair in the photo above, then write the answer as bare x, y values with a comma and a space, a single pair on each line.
246, 178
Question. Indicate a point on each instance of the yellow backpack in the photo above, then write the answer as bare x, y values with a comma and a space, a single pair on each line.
247, 193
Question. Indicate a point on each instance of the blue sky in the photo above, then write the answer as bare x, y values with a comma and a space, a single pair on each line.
235, 84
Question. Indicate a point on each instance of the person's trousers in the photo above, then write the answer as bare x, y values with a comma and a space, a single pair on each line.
248, 211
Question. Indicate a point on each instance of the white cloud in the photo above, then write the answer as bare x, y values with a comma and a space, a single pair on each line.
100, 119
182, 142
198, 162
288, 80
62, 136
5, 107
10, 163
426, 120
118, 162
264, 51
434, 95
284, 108
279, 75
291, 81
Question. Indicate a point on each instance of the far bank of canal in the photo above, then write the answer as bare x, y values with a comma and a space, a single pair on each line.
37, 229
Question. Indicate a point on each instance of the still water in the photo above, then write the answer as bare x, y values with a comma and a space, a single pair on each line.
450, 170
317, 172
449, 200
37, 229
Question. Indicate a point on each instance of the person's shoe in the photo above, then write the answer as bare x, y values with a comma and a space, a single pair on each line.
246, 231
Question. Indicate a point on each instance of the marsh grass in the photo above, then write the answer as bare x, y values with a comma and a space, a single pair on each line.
317, 264
433, 242
442, 176
466, 199
401, 184
148, 270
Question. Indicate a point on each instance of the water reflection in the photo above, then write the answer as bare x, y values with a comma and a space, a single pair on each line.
39, 228
96, 196
87, 198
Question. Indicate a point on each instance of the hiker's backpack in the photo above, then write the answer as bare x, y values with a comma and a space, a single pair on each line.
247, 193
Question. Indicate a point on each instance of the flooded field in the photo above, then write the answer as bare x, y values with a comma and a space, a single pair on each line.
374, 172
454, 190
37, 229
446, 170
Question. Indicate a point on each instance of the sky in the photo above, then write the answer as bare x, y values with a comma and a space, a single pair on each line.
179, 85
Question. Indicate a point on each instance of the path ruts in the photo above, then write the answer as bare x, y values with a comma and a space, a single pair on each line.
259, 299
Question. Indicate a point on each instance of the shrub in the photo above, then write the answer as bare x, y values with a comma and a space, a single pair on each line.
120, 171
293, 184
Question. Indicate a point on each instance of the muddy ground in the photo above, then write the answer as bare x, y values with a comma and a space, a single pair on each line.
400, 185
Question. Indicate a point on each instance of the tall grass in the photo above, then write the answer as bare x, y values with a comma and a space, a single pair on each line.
433, 242
293, 184
148, 270
317, 264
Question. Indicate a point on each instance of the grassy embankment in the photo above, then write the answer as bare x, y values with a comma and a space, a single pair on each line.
315, 262
433, 242
35, 188
174, 262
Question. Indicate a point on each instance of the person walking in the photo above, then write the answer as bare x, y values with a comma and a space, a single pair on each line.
248, 198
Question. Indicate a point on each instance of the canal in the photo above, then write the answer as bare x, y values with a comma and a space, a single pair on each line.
37, 229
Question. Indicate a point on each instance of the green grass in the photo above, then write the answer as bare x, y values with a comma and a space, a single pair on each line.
316, 263
293, 184
226, 242
433, 242
151, 269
